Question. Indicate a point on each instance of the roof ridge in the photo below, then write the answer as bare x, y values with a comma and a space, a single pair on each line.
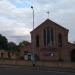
49, 21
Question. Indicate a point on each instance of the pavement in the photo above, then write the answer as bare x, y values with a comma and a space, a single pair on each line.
23, 71
37, 68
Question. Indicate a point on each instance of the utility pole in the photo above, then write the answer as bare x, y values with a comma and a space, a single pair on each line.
33, 59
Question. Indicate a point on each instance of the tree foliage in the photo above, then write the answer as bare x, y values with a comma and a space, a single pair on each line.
5, 45
3, 42
24, 43
12, 46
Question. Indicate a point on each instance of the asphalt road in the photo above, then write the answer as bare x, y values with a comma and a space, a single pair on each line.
20, 71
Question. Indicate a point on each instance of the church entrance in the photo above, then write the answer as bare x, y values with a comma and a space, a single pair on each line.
73, 55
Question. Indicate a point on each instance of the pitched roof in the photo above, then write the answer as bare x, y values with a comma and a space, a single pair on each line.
50, 21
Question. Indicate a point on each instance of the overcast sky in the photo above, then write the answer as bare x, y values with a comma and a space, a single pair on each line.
16, 17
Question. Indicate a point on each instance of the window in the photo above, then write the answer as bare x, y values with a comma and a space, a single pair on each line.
37, 41
60, 40
1, 55
29, 57
48, 36
44, 35
52, 36
25, 52
9, 56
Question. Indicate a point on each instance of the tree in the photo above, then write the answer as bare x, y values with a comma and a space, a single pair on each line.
12, 46
3, 42
24, 43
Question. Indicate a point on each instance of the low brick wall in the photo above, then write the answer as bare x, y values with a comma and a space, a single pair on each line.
39, 64
15, 62
56, 64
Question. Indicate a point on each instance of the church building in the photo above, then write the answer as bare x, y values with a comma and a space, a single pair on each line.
50, 42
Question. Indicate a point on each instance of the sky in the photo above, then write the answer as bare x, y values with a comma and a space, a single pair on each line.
16, 17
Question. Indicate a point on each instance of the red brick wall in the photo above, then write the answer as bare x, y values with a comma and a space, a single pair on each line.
63, 52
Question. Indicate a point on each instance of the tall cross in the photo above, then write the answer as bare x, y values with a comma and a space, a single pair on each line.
48, 13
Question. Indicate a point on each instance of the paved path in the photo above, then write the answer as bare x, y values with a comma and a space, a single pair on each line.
14, 70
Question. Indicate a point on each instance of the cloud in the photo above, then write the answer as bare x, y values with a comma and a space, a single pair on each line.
18, 39
16, 16
13, 21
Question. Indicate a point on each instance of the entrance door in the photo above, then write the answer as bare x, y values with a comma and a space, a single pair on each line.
73, 55
29, 57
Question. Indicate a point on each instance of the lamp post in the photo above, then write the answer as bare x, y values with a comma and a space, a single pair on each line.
33, 59
33, 16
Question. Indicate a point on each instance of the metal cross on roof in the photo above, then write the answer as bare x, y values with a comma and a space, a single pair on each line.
48, 13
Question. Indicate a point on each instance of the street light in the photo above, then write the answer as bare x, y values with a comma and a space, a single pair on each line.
33, 59
33, 16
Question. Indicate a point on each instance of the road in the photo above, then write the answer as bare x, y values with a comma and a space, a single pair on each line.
22, 71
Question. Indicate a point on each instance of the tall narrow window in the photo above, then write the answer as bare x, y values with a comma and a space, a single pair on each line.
60, 40
44, 35
48, 36
37, 41
52, 36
